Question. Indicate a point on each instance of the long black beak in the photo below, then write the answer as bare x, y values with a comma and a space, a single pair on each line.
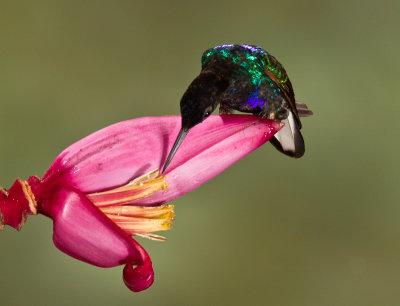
178, 141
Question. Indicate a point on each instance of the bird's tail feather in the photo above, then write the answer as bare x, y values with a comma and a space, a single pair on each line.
303, 110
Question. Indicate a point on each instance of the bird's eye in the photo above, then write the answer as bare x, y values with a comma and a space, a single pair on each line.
207, 112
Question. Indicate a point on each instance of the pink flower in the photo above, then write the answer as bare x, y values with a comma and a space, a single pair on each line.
105, 188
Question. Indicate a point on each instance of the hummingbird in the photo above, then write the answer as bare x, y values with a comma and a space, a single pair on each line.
248, 79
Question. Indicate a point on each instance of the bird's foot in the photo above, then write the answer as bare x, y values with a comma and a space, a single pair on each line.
267, 115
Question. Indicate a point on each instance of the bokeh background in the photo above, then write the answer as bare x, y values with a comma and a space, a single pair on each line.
321, 230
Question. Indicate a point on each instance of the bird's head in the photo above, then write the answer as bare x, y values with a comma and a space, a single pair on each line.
198, 102
195, 108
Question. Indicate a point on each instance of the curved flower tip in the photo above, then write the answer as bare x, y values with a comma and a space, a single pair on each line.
82, 231
140, 278
100, 191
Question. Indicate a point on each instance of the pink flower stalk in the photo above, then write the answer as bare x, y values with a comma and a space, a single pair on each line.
104, 189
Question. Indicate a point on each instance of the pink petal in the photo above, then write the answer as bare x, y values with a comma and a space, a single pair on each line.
85, 233
113, 156
196, 164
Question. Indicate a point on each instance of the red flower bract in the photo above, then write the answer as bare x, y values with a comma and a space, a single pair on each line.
104, 189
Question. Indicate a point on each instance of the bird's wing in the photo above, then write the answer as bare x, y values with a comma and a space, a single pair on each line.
278, 75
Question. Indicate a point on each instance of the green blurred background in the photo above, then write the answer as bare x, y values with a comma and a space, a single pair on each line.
321, 230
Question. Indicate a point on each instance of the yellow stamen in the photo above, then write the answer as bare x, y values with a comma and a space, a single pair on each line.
137, 189
136, 220
144, 226
159, 219
152, 236
137, 211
